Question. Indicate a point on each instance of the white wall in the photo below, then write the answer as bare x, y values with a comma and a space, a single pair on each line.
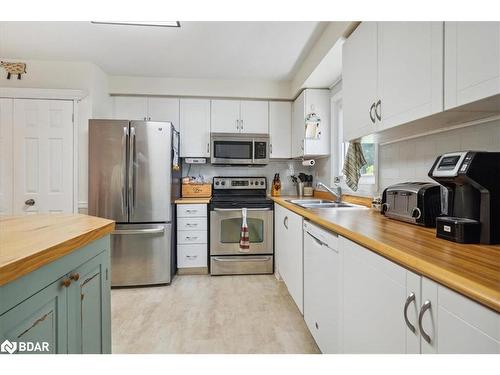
199, 87
285, 168
411, 160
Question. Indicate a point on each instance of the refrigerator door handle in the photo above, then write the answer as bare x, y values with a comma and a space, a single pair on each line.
124, 170
131, 171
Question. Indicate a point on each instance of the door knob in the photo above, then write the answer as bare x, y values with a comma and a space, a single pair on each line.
29, 202
74, 276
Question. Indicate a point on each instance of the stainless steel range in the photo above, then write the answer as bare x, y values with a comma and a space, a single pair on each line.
230, 196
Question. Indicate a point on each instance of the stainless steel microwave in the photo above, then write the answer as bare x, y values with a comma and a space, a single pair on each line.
237, 148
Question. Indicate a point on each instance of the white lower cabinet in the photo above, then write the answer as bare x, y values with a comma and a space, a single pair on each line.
192, 236
454, 324
374, 294
322, 287
288, 251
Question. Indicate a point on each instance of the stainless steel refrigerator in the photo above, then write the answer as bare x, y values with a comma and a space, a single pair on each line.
131, 181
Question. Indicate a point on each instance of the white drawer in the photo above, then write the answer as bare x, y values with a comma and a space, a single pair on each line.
191, 236
192, 223
191, 210
191, 256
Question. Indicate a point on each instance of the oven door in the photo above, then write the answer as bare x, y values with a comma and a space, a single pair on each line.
232, 150
225, 230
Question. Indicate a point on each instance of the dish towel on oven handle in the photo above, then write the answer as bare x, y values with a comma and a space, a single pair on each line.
244, 239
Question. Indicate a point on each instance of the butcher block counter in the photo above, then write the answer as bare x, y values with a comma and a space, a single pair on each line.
55, 282
472, 270
32, 241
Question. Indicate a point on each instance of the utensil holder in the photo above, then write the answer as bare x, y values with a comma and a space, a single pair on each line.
300, 189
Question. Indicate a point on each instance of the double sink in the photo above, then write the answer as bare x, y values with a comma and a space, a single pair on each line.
321, 203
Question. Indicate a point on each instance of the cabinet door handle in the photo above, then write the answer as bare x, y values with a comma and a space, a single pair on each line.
285, 222
372, 116
378, 110
66, 283
74, 276
410, 299
208, 148
270, 148
237, 124
241, 124
426, 306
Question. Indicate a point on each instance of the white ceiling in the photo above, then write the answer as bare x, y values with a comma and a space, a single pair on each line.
216, 50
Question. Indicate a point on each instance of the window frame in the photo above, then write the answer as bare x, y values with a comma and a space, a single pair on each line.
368, 184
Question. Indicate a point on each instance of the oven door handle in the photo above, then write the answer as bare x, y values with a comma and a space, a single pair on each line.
243, 259
239, 209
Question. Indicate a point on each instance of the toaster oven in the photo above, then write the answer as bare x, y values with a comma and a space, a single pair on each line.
413, 202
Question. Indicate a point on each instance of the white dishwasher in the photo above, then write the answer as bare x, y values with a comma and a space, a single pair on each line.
322, 286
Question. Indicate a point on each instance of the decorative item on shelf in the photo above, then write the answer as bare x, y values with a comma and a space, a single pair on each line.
276, 186
312, 124
16, 68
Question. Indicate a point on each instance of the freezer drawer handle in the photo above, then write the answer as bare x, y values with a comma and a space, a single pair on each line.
243, 259
139, 231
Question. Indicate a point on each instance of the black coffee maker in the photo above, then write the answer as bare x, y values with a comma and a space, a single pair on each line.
472, 179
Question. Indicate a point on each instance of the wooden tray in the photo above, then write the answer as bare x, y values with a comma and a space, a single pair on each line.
197, 190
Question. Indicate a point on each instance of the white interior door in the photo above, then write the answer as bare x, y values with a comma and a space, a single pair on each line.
5, 156
43, 156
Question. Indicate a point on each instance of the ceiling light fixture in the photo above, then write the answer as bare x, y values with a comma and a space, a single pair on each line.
141, 23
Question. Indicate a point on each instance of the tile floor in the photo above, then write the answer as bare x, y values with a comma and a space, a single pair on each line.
207, 314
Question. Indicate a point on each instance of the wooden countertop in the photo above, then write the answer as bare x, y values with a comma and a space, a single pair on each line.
472, 270
32, 241
192, 201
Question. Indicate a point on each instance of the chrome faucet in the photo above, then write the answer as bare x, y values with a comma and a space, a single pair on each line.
337, 192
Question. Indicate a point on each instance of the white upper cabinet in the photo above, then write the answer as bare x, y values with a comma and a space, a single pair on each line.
130, 108
254, 116
410, 71
280, 128
359, 81
240, 116
225, 117
310, 101
164, 109
195, 127
472, 62
144, 109
392, 74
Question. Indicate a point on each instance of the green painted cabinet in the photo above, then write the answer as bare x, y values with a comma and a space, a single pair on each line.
63, 307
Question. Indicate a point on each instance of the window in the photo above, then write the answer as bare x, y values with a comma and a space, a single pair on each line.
367, 183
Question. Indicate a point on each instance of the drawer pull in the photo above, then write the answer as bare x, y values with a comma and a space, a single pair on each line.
74, 276
192, 225
66, 283
191, 256
191, 237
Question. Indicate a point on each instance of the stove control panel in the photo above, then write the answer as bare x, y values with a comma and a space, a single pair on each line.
239, 183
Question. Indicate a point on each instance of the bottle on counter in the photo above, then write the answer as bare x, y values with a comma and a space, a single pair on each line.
276, 186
